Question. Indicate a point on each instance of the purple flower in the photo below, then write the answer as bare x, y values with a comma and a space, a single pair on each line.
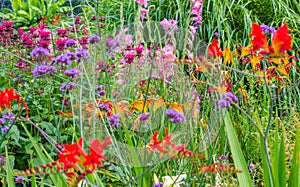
144, 116
70, 43
94, 39
114, 120
82, 53
74, 72
2, 121
63, 60
268, 30
42, 69
223, 103
71, 56
19, 179
40, 52
9, 116
158, 184
251, 166
101, 92
4, 129
67, 87
230, 96
223, 157
104, 107
176, 117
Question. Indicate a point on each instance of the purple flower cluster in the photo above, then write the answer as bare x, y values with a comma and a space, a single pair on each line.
114, 120
42, 69
94, 39
104, 107
67, 87
74, 72
70, 43
268, 30
176, 117
63, 60
144, 116
82, 53
4, 129
100, 90
40, 52
11, 117
225, 101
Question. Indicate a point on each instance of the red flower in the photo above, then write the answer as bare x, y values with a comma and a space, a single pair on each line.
281, 40
259, 39
9, 95
214, 50
72, 154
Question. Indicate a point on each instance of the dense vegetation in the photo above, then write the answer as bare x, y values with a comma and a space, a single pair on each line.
149, 92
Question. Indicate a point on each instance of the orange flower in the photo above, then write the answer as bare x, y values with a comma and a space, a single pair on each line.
66, 114
214, 50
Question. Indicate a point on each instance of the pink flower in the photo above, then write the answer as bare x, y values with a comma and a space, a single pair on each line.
167, 24
142, 2
144, 12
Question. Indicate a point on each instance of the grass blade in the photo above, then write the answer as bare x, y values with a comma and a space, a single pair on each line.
238, 157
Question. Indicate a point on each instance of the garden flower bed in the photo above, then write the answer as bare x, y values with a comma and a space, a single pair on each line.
148, 93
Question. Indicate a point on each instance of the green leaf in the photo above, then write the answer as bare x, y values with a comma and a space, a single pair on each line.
43, 157
282, 162
10, 178
238, 157
294, 179
37, 10
24, 14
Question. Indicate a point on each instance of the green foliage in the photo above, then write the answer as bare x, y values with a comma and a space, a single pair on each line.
29, 13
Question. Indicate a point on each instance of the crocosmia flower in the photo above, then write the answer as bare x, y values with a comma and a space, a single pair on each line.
281, 40
259, 40
214, 49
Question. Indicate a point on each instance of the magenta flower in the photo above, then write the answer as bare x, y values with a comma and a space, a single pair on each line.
142, 2
62, 32
60, 44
